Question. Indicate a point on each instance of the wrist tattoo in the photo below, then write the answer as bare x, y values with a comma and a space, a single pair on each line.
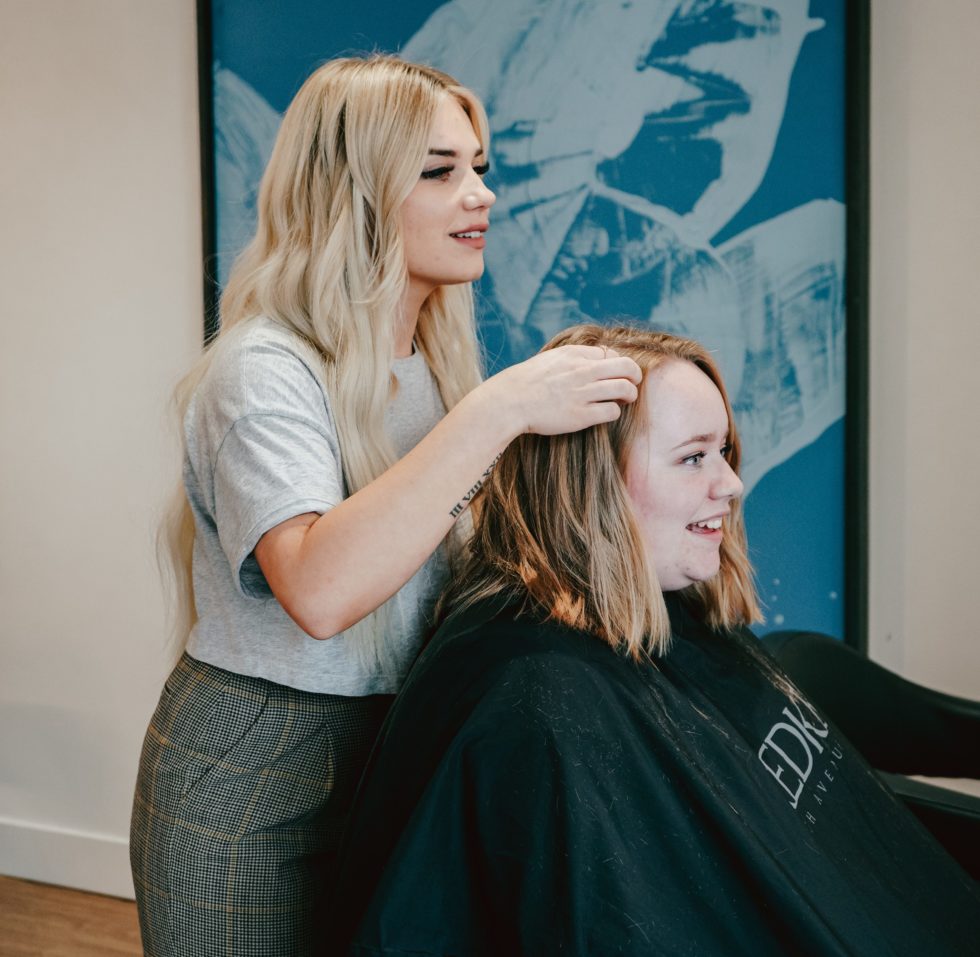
460, 506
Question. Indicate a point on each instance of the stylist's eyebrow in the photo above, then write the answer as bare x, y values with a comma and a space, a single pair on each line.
452, 153
696, 439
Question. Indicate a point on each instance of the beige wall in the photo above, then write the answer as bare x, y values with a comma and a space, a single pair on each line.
100, 306
100, 297
925, 341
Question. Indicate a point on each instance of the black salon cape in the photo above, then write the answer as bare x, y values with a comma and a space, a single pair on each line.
534, 793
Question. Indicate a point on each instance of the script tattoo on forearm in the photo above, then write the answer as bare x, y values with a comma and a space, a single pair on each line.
459, 507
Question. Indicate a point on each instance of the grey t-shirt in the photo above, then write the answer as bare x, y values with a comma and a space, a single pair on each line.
262, 447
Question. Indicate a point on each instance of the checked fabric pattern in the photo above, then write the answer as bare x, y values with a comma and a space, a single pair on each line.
243, 790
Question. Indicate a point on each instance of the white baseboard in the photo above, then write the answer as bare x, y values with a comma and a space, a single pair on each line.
53, 855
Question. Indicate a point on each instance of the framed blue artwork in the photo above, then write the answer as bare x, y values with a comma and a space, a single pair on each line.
695, 165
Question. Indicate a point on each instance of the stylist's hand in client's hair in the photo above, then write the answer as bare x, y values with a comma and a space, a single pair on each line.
565, 389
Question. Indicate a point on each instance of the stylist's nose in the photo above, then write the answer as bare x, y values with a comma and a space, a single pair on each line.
478, 194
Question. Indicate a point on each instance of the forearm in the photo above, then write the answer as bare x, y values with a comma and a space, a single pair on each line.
334, 570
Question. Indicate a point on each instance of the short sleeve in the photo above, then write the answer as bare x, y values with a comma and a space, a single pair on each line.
269, 468
261, 445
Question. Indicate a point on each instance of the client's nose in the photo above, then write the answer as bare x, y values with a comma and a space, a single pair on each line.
727, 484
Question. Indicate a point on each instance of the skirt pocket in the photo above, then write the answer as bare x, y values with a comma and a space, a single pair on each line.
202, 718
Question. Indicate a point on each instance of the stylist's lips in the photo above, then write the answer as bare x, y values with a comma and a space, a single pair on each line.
472, 236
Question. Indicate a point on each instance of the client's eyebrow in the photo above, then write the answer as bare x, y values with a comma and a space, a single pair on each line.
453, 153
696, 440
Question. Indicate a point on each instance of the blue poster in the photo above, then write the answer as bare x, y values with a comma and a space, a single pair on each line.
672, 162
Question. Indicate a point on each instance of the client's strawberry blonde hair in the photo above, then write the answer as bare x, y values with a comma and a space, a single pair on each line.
554, 526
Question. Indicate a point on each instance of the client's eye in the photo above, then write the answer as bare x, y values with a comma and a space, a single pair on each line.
694, 459
726, 450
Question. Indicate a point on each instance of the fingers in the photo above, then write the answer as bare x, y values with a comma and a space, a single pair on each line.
604, 400
604, 363
601, 412
564, 389
620, 367
616, 390
589, 352
579, 418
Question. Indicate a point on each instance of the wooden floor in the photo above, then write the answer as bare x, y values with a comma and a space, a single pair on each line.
38, 920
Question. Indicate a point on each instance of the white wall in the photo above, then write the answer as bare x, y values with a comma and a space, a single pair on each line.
100, 306
925, 334
100, 310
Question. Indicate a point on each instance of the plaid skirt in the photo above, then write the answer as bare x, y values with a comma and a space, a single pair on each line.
243, 791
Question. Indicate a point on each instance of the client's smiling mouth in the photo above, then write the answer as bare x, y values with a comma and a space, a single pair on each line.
706, 526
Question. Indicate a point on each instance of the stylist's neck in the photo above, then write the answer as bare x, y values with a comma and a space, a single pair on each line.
408, 318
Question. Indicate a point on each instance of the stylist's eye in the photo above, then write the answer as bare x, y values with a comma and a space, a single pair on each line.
694, 459
726, 450
440, 172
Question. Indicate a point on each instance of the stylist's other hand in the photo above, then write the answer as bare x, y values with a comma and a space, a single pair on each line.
566, 389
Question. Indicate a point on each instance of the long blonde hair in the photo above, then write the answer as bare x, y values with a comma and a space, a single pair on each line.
328, 263
554, 525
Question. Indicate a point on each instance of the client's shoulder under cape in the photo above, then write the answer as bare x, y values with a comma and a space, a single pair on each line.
534, 792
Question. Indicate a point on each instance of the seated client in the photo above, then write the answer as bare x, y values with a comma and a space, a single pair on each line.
594, 755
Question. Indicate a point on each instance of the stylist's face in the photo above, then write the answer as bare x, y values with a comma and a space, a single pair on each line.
678, 479
445, 217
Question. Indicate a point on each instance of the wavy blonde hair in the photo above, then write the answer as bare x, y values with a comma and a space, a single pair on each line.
328, 263
554, 524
